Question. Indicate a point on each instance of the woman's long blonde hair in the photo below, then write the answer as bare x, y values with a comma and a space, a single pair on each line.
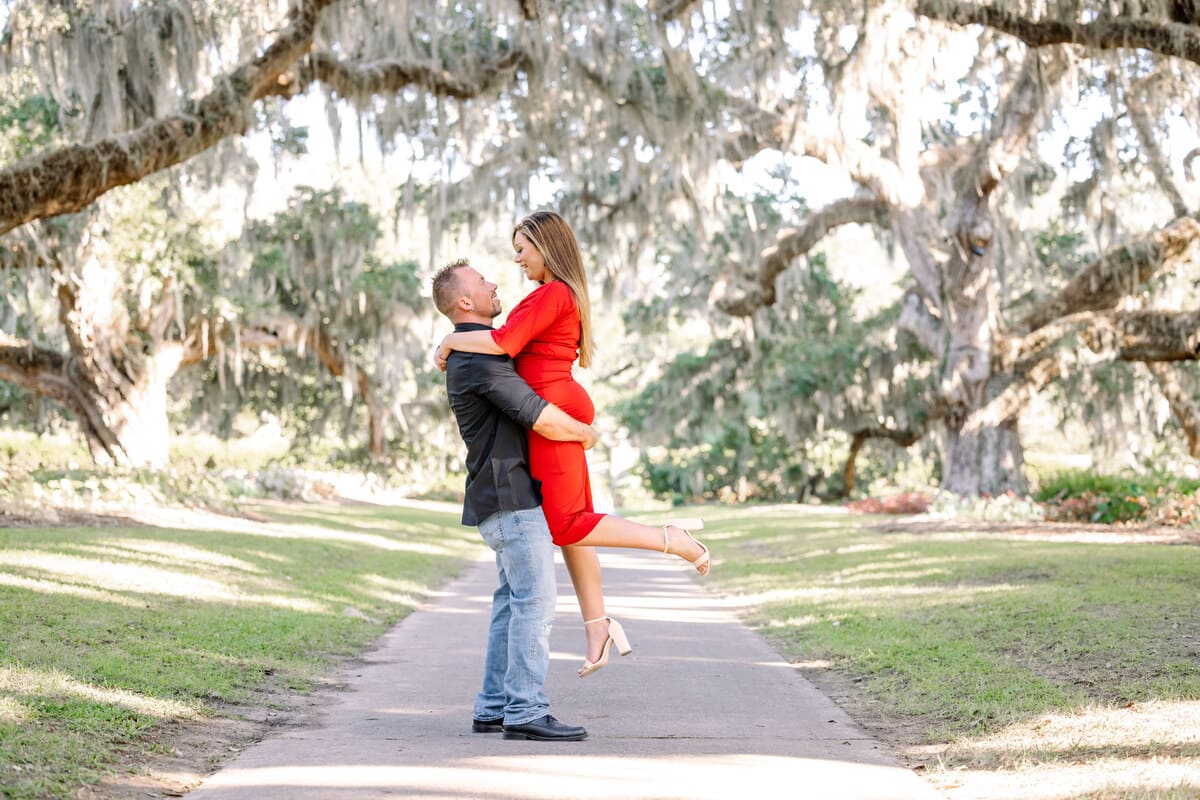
555, 240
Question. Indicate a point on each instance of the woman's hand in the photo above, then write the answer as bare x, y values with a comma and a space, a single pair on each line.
440, 354
465, 342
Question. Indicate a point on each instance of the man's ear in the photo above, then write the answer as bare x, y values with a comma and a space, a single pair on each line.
463, 303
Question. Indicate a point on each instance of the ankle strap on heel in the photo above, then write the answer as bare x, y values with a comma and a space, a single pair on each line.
597, 619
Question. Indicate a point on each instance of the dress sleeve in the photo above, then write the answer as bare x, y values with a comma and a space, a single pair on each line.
532, 316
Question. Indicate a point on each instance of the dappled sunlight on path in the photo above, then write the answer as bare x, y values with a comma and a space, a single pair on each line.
703, 708
550, 777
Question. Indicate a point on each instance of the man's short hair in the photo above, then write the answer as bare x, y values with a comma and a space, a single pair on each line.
446, 288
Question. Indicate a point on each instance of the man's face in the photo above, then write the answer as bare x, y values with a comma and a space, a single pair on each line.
480, 291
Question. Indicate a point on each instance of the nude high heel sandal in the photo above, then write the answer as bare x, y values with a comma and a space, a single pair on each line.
616, 635
703, 561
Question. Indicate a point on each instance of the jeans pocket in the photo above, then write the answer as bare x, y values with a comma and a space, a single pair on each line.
492, 530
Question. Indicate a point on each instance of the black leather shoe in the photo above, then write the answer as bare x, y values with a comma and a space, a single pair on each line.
546, 729
487, 725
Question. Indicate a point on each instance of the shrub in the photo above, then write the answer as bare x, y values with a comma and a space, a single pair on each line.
904, 503
1082, 496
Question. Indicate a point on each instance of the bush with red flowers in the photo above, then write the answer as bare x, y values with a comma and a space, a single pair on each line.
904, 503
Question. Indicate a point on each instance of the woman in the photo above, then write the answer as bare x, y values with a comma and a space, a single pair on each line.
543, 334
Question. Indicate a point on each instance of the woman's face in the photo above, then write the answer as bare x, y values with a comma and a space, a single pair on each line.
530, 259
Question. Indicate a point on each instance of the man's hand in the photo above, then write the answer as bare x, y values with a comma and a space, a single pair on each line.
591, 438
559, 426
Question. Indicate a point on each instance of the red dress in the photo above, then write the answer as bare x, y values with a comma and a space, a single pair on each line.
542, 335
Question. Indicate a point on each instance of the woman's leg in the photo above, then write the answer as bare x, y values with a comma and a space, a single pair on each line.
583, 564
614, 531
584, 567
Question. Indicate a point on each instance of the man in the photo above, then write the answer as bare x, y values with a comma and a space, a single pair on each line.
494, 407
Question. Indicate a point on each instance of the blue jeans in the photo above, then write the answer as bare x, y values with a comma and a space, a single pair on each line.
518, 650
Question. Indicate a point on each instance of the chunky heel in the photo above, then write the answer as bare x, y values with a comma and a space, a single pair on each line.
616, 635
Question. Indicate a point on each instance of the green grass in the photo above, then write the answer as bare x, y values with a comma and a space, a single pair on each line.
962, 634
107, 633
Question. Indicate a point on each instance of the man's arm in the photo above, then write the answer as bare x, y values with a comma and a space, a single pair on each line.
556, 424
498, 381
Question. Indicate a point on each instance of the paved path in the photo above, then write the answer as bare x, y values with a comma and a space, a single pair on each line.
703, 708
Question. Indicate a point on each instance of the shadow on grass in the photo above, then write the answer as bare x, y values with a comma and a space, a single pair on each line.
106, 632
953, 635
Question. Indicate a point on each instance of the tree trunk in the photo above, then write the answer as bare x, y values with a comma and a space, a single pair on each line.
146, 437
848, 472
123, 420
376, 414
904, 437
988, 460
983, 459
1182, 404
136, 422
112, 380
